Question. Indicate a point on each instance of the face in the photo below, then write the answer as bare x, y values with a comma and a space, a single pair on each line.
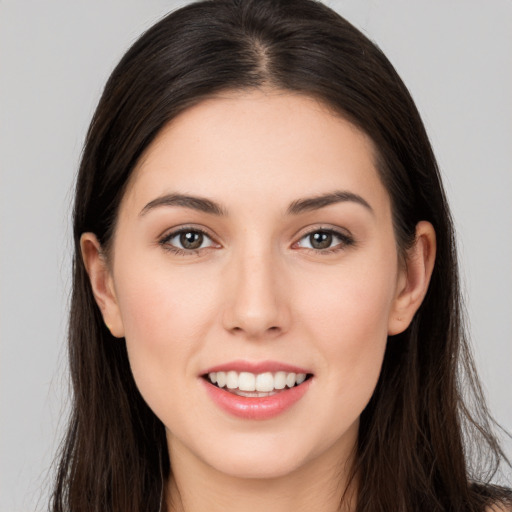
254, 247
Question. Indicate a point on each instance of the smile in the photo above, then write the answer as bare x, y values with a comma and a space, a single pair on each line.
255, 385
248, 391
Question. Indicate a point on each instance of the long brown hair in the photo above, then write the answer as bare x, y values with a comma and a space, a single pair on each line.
417, 431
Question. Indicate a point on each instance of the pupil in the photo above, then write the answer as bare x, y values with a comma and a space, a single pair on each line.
321, 240
191, 240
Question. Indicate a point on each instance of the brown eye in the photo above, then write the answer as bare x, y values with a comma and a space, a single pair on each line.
320, 240
191, 239
184, 240
325, 241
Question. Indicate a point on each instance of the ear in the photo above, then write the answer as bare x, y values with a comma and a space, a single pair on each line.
413, 279
102, 283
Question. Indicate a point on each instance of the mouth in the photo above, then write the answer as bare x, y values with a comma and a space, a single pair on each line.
256, 390
256, 385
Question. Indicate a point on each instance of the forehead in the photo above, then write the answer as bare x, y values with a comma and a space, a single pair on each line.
273, 145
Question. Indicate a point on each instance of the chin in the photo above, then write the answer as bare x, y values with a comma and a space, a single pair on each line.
260, 456
258, 467
251, 454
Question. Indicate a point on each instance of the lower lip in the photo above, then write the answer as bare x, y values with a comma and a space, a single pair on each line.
256, 408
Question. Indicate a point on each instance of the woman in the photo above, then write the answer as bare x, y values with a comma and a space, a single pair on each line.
265, 307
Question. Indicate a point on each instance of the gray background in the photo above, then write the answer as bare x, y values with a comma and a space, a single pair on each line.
455, 57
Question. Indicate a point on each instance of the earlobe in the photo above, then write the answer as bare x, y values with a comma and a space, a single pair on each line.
414, 278
102, 283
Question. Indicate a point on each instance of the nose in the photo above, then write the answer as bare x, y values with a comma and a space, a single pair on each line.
257, 307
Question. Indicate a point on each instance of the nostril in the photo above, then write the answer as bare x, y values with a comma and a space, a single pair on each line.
273, 329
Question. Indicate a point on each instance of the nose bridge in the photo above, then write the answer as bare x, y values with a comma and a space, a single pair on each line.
257, 306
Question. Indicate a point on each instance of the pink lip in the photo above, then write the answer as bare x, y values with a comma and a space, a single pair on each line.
256, 408
253, 367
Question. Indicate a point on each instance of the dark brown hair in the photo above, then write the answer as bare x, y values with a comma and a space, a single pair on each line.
416, 434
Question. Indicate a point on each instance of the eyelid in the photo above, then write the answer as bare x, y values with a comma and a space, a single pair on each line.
169, 234
344, 235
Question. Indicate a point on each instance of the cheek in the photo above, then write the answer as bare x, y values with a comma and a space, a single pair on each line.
160, 305
347, 316
165, 316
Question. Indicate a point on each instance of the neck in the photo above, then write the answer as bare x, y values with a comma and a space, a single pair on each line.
321, 484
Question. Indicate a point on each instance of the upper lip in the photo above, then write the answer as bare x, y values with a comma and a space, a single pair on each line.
256, 367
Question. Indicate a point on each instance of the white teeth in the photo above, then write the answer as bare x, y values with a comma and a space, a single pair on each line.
252, 394
301, 377
232, 380
247, 381
265, 382
221, 379
261, 383
280, 380
290, 380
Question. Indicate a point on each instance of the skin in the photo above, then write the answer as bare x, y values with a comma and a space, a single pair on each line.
258, 290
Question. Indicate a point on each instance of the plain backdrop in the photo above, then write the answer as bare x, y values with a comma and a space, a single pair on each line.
55, 56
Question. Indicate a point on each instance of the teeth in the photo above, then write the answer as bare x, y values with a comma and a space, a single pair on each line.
290, 380
301, 377
280, 380
262, 382
221, 379
247, 381
232, 380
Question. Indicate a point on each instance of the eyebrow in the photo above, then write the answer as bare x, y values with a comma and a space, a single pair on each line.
195, 203
314, 203
297, 207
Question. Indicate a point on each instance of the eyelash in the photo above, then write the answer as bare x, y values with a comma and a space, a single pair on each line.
164, 241
345, 241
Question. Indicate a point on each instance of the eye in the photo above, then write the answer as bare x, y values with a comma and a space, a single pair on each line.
187, 240
325, 240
